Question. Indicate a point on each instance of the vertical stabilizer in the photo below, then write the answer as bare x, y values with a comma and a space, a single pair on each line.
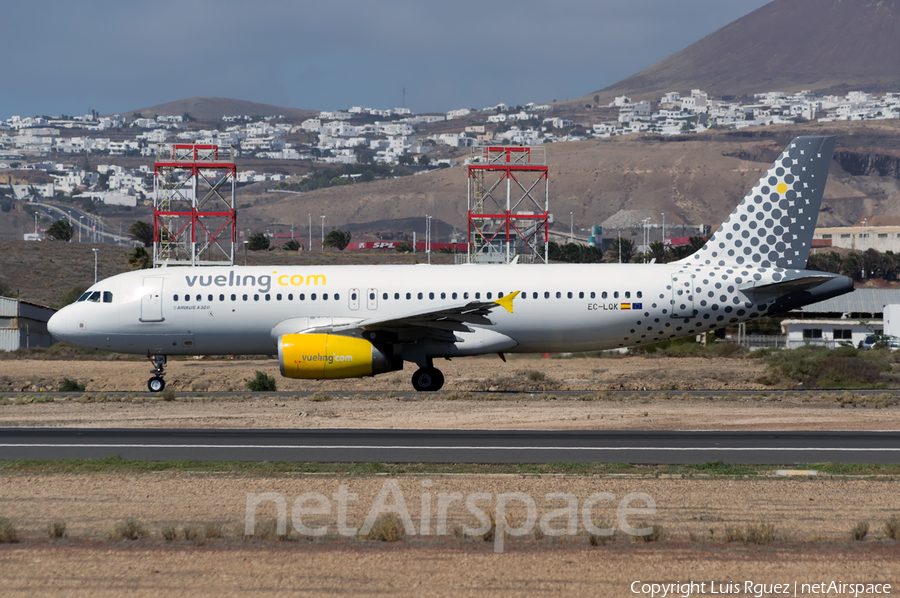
774, 225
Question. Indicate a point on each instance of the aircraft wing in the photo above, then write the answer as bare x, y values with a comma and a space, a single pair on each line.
448, 318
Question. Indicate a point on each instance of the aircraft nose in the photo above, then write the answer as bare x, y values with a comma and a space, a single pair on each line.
56, 326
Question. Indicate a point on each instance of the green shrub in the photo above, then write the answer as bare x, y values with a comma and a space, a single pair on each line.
7, 531
818, 367
57, 529
657, 533
129, 529
71, 386
892, 527
169, 532
387, 528
859, 531
262, 383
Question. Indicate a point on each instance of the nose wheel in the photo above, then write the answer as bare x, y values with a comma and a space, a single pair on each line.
428, 379
157, 383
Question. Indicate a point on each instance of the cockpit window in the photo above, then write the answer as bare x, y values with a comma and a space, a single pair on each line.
85, 296
95, 297
107, 297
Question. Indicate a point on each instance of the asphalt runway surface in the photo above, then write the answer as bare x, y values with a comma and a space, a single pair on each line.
452, 446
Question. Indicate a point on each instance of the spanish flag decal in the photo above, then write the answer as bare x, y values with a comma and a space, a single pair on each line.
626, 306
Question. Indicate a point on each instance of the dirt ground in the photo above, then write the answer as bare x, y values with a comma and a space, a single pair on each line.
531, 404
474, 373
811, 519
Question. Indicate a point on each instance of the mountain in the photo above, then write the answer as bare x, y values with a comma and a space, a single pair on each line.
203, 108
787, 45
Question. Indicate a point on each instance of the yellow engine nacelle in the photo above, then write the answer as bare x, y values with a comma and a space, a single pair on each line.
318, 356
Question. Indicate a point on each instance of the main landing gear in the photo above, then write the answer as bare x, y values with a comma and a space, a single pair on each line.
428, 379
156, 383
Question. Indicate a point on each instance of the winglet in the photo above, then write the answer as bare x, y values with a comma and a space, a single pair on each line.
507, 302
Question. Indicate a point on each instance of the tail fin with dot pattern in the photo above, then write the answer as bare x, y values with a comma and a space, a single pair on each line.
773, 227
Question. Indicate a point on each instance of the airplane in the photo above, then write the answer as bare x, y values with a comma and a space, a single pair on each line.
354, 321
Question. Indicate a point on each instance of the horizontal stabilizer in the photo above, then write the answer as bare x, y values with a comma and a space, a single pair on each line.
785, 287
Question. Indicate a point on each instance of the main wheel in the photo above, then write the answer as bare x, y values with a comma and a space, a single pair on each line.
156, 384
428, 379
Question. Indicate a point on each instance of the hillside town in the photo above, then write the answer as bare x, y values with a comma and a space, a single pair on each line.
394, 136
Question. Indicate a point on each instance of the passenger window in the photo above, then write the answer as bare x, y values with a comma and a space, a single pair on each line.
290, 296
396, 295
443, 295
353, 296
639, 294
489, 295
221, 297
278, 296
616, 295
534, 295
581, 295
569, 294
371, 295
324, 296
199, 297
107, 297
420, 295
268, 297
524, 295
256, 297
384, 296
546, 294
431, 295
337, 297
604, 295
593, 295
301, 297
245, 297
233, 297
558, 295
454, 295
312, 296
187, 297
174, 298
500, 295
628, 294
478, 295
210, 297
409, 295
466, 295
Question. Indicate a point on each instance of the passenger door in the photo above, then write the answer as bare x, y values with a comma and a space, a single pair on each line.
151, 299
372, 298
354, 298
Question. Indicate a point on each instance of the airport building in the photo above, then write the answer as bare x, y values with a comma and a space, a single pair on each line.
23, 324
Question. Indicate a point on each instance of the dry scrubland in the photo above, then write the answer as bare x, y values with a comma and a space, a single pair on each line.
712, 523
780, 530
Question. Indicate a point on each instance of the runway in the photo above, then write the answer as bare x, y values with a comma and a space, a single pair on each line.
452, 446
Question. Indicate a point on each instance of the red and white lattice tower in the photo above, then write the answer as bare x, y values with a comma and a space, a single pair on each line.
508, 204
194, 216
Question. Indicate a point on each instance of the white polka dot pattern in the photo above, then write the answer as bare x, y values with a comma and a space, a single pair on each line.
774, 224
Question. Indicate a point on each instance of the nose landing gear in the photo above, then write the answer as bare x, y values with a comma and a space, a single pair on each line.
157, 383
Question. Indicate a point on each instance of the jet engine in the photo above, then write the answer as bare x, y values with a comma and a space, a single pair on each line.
318, 356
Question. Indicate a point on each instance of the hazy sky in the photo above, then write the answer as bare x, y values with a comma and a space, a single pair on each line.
114, 56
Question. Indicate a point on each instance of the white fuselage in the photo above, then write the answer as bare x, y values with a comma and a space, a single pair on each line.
562, 307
